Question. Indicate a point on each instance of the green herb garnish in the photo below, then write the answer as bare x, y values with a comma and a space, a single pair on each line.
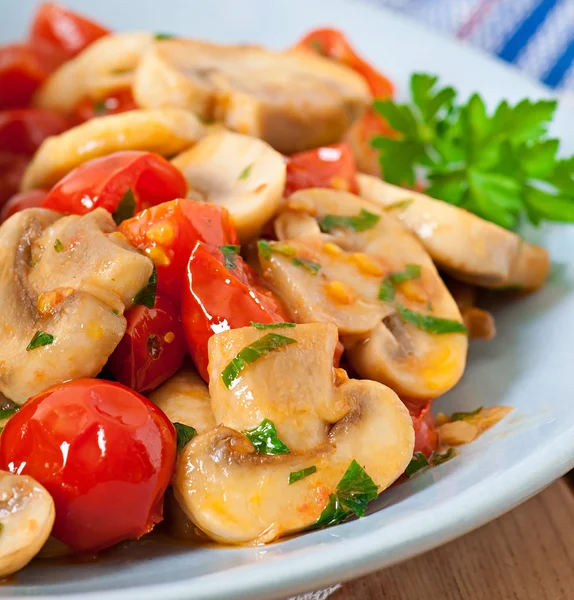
5, 413
437, 458
265, 440
164, 36
249, 354
308, 265
100, 107
298, 475
501, 166
430, 323
352, 495
40, 339
266, 249
185, 433
230, 252
419, 461
58, 246
126, 209
271, 325
400, 204
361, 222
146, 296
387, 289
246, 171
461, 416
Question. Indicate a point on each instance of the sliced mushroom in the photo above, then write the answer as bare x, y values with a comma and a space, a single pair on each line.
26, 515
166, 132
380, 343
239, 172
102, 68
71, 278
462, 244
238, 496
292, 100
185, 399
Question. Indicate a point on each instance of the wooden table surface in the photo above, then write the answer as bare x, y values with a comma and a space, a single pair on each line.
527, 554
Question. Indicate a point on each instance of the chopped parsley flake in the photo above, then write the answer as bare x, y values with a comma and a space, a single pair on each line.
146, 296
361, 222
298, 475
265, 439
58, 246
126, 209
185, 433
308, 265
430, 323
230, 252
40, 339
271, 325
246, 171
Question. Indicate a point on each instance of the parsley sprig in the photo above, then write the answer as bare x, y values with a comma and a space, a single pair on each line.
501, 166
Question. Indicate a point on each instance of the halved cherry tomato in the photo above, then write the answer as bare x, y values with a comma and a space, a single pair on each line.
22, 130
168, 232
426, 435
21, 73
118, 102
105, 454
104, 182
333, 44
325, 167
12, 168
58, 34
152, 348
216, 299
30, 199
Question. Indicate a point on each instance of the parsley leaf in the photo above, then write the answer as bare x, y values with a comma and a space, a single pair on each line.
126, 209
164, 36
308, 265
419, 461
249, 354
437, 458
461, 416
229, 254
361, 222
502, 166
58, 246
298, 475
146, 296
266, 249
8, 412
100, 107
40, 339
185, 433
271, 325
265, 440
387, 289
352, 495
245, 172
430, 323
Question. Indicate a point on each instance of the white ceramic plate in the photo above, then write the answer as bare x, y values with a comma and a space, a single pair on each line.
529, 364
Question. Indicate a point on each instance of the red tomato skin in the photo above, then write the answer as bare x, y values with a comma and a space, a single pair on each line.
22, 201
141, 363
102, 183
180, 224
333, 44
58, 34
12, 169
215, 299
23, 130
21, 73
118, 102
325, 167
105, 454
426, 435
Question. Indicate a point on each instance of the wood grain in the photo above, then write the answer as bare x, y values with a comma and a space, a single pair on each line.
528, 554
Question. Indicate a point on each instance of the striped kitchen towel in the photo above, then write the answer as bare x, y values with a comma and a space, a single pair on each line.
535, 35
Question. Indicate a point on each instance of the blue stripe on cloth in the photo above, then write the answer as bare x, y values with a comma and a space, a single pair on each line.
560, 68
527, 29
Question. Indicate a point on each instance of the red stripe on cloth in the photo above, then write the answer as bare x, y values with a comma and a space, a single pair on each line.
477, 16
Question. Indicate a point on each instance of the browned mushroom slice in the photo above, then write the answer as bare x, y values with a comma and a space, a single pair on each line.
462, 244
237, 495
373, 280
64, 284
293, 100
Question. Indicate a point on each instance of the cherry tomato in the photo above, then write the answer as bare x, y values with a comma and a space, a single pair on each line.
105, 454
12, 168
152, 348
326, 167
216, 299
22, 130
20, 75
104, 182
167, 233
30, 199
118, 102
426, 435
58, 34
333, 44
